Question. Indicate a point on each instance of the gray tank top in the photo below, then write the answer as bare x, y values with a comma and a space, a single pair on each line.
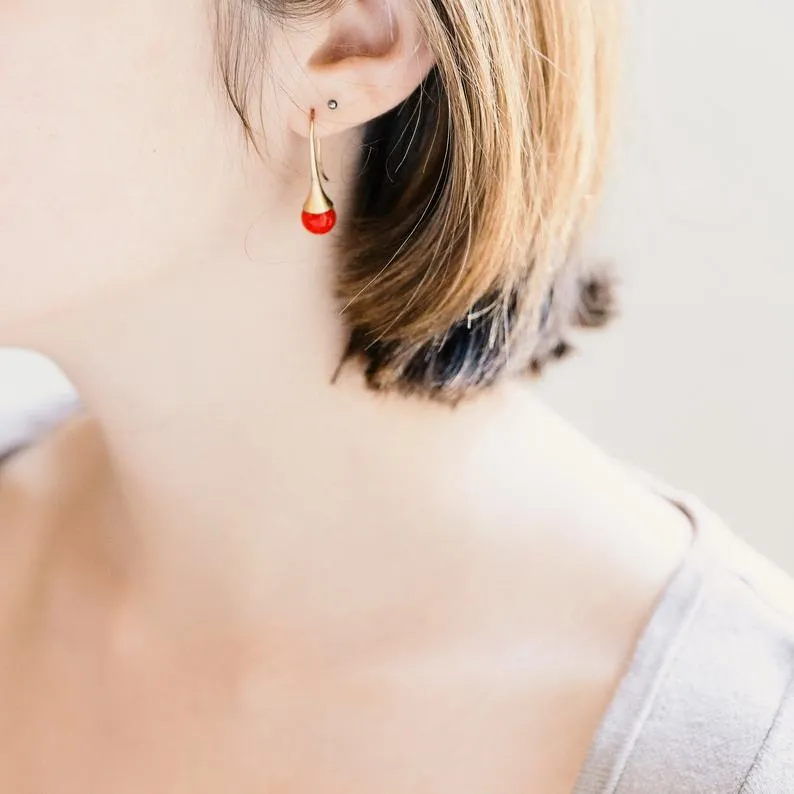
707, 704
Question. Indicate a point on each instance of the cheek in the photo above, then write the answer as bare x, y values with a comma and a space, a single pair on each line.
108, 129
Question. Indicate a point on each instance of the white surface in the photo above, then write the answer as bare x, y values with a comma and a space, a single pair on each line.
34, 395
696, 381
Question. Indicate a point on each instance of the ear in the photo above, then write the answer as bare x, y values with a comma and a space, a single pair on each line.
368, 56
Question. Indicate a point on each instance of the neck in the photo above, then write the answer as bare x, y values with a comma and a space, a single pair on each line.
250, 481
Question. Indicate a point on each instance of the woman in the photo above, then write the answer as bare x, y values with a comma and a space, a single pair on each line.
310, 531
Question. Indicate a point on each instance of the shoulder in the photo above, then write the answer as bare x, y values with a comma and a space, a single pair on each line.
772, 589
707, 706
726, 704
767, 601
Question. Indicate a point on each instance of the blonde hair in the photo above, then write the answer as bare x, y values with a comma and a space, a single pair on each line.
473, 192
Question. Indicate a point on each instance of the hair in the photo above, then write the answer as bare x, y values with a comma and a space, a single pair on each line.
455, 266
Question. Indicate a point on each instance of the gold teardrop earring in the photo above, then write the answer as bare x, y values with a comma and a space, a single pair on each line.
319, 215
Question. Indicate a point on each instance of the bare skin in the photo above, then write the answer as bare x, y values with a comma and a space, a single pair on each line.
230, 575
432, 658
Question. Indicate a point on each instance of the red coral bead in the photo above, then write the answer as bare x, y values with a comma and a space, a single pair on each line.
319, 223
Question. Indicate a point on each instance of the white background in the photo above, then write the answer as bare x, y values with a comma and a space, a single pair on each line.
696, 381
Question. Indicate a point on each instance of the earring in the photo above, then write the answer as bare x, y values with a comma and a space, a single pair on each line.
319, 215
